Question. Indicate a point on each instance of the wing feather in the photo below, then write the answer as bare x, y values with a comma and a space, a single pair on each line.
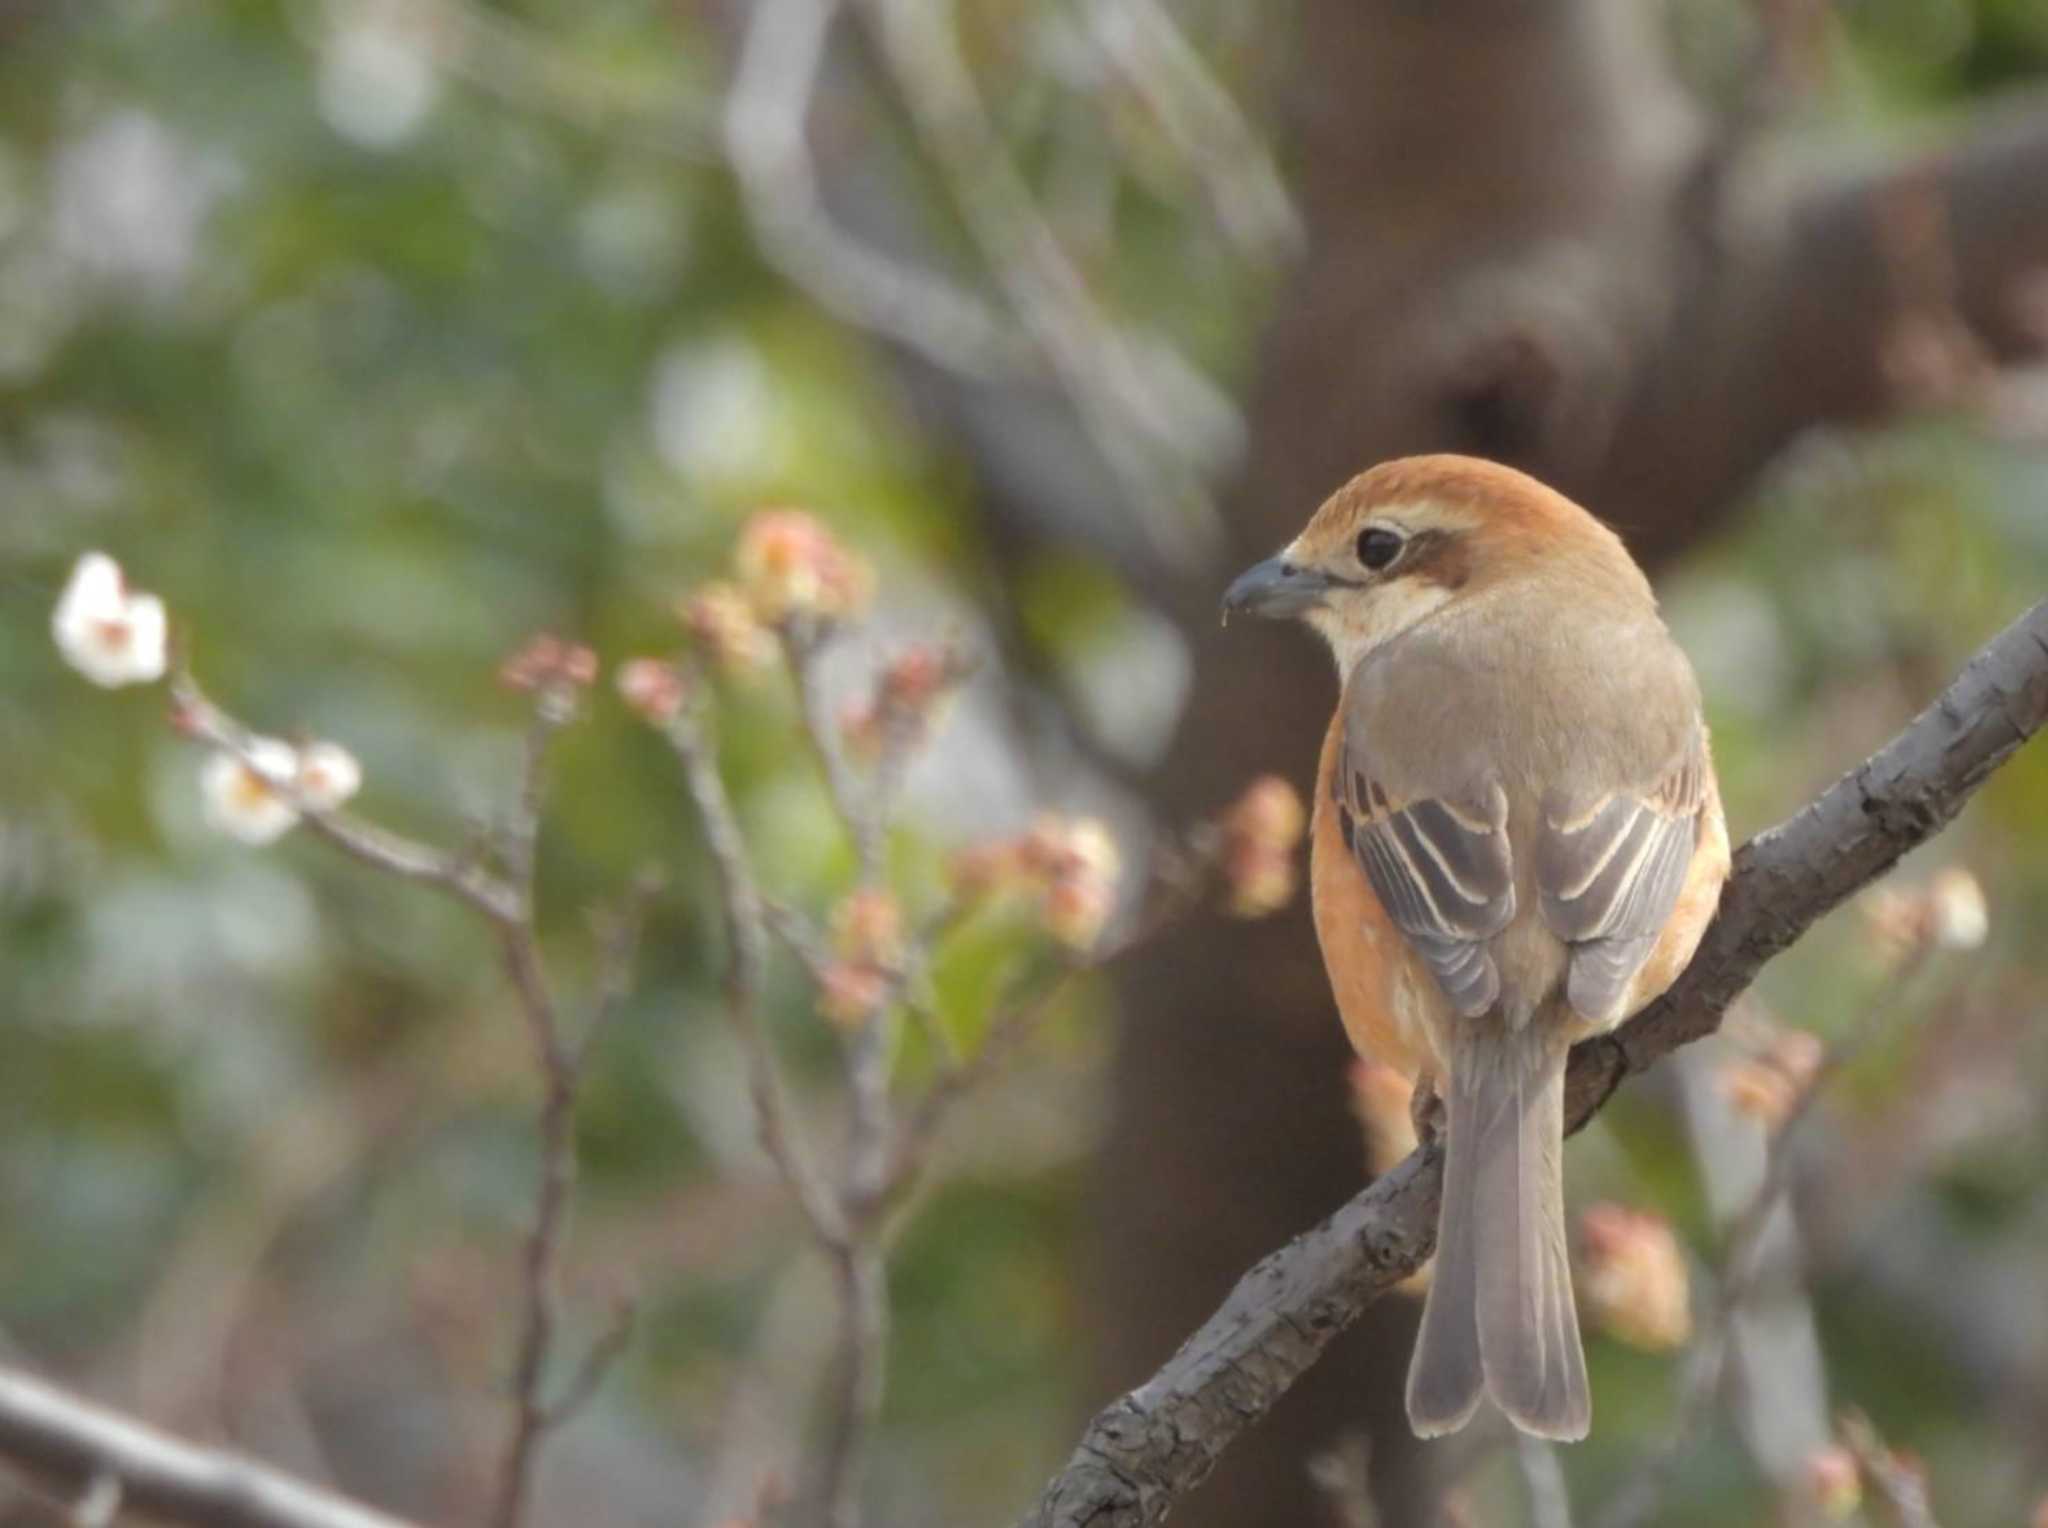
1443, 870
1609, 871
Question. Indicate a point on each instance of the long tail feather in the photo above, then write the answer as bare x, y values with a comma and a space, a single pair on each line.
1500, 1316
1444, 1376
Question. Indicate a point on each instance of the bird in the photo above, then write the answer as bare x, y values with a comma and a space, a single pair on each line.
1516, 842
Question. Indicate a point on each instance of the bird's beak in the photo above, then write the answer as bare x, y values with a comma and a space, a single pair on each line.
1276, 588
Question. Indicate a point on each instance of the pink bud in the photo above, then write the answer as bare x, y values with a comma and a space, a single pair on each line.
653, 690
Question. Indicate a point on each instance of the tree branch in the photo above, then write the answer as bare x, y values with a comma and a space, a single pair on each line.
80, 1448
1817, 277
1151, 1445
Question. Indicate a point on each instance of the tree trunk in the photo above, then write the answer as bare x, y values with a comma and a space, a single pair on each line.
1468, 172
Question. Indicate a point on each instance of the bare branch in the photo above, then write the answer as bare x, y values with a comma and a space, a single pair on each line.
1816, 274
766, 113
1154, 1443
1899, 1489
1141, 410
559, 1063
858, 1268
559, 1080
862, 813
1219, 145
82, 1448
746, 927
380, 848
1178, 884
597, 1362
508, 903
857, 1387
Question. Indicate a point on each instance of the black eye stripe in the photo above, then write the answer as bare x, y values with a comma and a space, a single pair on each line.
1378, 547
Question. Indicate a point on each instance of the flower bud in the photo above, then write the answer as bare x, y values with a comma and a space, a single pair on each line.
1634, 1281
849, 995
109, 633
1959, 918
1260, 832
790, 565
983, 870
654, 691
1768, 1082
867, 928
1833, 1482
1269, 813
916, 677
328, 776
1757, 1091
862, 730
1059, 847
1076, 910
547, 662
1261, 878
718, 615
246, 797
1895, 920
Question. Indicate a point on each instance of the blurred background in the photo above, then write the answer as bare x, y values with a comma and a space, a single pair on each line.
376, 335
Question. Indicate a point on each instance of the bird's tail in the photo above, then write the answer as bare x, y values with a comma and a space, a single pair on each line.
1499, 1319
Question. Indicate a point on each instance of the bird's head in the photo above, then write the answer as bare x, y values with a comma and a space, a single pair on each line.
1404, 540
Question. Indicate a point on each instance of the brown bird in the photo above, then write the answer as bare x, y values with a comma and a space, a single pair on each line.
1517, 842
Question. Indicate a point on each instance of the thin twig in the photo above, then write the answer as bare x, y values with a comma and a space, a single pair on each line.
1124, 392
598, 1359
858, 1269
1222, 149
558, 1064
1144, 419
1899, 1488
863, 813
1011, 1030
859, 1381
766, 113
746, 929
75, 1444
457, 873
508, 903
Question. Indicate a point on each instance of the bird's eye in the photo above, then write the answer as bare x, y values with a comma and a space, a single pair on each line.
1378, 547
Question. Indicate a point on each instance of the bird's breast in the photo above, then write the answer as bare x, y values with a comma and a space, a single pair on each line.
1389, 1002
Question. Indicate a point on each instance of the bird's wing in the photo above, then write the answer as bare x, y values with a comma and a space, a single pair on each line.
1609, 869
1441, 867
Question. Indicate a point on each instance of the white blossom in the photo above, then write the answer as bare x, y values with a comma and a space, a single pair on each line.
328, 776
109, 633
248, 796
1961, 918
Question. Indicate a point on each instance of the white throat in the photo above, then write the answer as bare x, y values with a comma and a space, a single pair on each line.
1358, 626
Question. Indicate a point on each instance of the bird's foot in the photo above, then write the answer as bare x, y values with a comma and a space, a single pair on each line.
1426, 1108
